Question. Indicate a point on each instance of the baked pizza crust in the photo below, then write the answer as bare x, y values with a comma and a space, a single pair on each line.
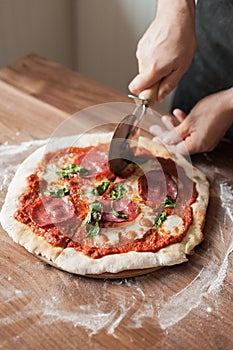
69, 259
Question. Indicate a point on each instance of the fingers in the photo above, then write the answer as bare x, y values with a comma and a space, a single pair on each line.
176, 142
172, 135
145, 81
149, 78
168, 83
177, 134
169, 125
177, 118
169, 121
179, 114
156, 130
137, 84
185, 147
161, 132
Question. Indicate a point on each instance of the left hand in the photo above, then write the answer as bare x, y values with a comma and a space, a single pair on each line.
203, 128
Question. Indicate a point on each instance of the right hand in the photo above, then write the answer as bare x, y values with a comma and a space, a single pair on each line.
200, 130
166, 50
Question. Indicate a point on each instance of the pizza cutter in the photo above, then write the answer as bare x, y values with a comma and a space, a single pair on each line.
121, 155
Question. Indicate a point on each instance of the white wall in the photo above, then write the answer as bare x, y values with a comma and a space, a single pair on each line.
107, 32
96, 37
44, 27
106, 36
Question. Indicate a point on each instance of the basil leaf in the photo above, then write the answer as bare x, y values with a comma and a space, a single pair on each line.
57, 192
93, 216
95, 207
92, 219
72, 169
92, 230
62, 174
160, 218
99, 190
168, 203
117, 191
120, 214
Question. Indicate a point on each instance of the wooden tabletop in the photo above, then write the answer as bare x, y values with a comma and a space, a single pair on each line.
187, 306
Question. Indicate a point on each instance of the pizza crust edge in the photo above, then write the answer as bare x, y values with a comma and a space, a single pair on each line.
69, 259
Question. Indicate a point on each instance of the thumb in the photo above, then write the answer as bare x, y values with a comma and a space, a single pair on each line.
142, 82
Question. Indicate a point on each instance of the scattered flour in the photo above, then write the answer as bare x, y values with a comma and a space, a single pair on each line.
208, 280
93, 319
7, 150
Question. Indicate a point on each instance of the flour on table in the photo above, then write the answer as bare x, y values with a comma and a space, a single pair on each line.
10, 158
208, 280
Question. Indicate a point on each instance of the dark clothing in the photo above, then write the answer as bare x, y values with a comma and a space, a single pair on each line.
212, 66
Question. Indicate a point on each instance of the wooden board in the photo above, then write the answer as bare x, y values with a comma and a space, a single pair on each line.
41, 307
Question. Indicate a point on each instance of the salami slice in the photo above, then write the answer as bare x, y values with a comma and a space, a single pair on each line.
154, 186
49, 211
124, 206
96, 162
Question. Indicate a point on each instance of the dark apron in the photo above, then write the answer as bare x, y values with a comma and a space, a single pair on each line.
212, 66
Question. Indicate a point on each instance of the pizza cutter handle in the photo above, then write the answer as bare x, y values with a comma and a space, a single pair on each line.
150, 95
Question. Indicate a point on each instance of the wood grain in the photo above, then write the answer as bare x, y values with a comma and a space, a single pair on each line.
56, 85
42, 307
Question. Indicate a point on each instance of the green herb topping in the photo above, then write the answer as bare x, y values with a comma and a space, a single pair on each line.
160, 218
117, 191
92, 229
93, 218
101, 189
72, 169
56, 192
119, 214
168, 203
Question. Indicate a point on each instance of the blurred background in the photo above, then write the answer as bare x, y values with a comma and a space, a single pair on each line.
98, 38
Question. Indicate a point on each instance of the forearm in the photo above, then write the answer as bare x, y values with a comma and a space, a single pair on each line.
178, 9
227, 105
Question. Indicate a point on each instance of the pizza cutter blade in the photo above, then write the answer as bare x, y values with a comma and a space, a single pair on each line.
121, 157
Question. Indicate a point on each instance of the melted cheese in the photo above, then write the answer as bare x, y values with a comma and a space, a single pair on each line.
50, 173
172, 226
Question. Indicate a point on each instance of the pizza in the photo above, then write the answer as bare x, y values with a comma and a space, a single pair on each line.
66, 206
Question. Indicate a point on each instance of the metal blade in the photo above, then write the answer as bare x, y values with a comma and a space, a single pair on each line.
121, 154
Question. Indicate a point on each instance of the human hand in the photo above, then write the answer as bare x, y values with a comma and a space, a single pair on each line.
166, 50
200, 130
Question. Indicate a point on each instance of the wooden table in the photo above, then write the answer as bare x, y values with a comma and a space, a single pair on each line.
182, 307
